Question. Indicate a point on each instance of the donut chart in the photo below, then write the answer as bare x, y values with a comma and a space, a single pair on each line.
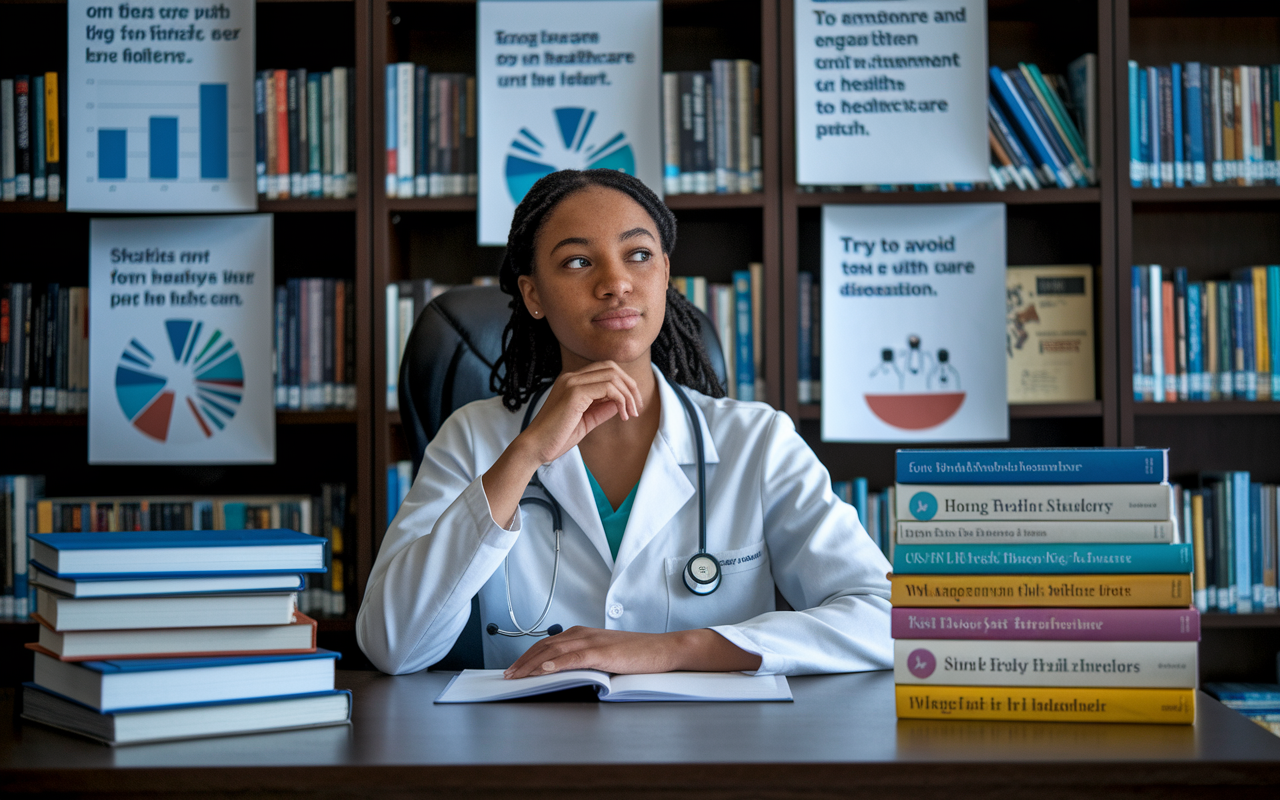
199, 373
531, 158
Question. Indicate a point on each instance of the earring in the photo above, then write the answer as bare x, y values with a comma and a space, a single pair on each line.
535, 314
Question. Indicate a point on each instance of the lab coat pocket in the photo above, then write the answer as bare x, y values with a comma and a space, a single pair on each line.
745, 591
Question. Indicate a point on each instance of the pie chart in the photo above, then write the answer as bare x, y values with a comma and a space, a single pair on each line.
570, 146
193, 371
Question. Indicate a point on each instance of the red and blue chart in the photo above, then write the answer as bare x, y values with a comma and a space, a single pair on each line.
199, 374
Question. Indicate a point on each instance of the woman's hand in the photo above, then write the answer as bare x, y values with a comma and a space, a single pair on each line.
576, 403
625, 652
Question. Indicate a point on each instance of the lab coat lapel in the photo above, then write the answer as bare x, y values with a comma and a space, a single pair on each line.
566, 480
664, 488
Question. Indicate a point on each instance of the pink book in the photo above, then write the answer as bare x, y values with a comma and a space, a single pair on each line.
1079, 624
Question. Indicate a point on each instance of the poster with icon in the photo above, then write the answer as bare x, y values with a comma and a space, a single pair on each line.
913, 323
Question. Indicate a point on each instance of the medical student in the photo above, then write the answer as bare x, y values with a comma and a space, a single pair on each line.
602, 348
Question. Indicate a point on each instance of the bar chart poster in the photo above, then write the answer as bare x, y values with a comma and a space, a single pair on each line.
160, 106
180, 331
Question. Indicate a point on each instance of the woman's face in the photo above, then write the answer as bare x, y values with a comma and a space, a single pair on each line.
599, 278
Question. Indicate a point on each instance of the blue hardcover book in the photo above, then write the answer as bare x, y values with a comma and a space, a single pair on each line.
260, 132
1246, 697
1144, 125
1241, 543
1242, 340
1050, 166
174, 553
744, 351
1026, 166
1153, 123
1136, 176
393, 492
187, 720
1041, 559
128, 684
860, 501
1034, 465
1180, 332
392, 121
1045, 125
1273, 325
1175, 71
1194, 115
1136, 296
1195, 342
39, 156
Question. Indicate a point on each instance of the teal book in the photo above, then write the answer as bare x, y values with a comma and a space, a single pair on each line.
1041, 559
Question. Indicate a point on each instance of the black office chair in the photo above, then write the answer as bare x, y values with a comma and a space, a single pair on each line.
447, 362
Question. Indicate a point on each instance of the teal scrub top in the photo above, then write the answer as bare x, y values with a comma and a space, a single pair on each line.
613, 520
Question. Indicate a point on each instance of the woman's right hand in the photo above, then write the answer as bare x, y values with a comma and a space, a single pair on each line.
577, 402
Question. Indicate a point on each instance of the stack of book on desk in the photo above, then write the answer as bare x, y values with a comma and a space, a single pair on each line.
1041, 585
155, 635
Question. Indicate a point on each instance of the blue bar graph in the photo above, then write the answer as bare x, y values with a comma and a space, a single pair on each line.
164, 148
111, 154
213, 131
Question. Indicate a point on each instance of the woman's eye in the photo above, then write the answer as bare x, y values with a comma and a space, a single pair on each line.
641, 255
576, 263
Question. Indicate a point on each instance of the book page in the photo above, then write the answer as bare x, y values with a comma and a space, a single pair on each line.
707, 686
487, 685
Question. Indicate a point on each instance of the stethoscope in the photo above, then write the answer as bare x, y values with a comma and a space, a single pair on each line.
701, 574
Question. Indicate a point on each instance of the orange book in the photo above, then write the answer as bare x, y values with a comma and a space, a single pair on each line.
282, 131
1169, 342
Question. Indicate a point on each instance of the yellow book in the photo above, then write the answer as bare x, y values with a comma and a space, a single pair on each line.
1262, 347
1041, 591
1199, 577
1047, 704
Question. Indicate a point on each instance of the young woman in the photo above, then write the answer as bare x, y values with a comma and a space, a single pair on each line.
604, 351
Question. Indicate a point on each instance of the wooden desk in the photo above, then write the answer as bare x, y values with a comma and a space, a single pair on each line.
839, 738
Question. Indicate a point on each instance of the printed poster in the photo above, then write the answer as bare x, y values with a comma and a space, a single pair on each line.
571, 84
180, 341
891, 91
913, 323
160, 113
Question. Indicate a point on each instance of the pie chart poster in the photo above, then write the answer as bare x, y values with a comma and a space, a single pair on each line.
572, 84
913, 323
180, 340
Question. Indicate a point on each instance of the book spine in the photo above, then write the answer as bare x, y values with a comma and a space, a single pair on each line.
1241, 542
293, 334
953, 533
744, 357
1176, 93
435, 183
296, 110
404, 132
278, 352
1047, 704
315, 142
1137, 169
1031, 624
1273, 322
1044, 125
1031, 502
1179, 291
1193, 75
1261, 332
39, 185
742, 96
968, 662
671, 128
340, 143
472, 182
1025, 167
22, 135
392, 345
52, 138
422, 117
260, 133
63, 338
1144, 125
283, 154
1155, 313
272, 135
8, 143
1257, 557
392, 125
1031, 136
1168, 342
329, 289
1048, 465
1195, 341
804, 343
1041, 591
1200, 570
352, 138
1041, 559
315, 342
349, 350
326, 135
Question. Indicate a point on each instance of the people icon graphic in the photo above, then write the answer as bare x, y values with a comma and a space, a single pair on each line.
886, 377
914, 388
943, 377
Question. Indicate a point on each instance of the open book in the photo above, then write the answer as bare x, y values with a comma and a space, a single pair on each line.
488, 685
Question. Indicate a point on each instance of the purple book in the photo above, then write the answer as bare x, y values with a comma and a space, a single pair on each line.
1078, 624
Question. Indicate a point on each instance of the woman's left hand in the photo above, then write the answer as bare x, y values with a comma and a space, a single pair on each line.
622, 652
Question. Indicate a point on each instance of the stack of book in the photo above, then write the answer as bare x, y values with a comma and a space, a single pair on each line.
44, 348
305, 133
1232, 522
1259, 702
711, 129
1193, 124
315, 344
171, 635
1042, 585
734, 310
1035, 137
30, 138
1205, 340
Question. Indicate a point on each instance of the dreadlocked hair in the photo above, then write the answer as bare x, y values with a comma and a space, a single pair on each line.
530, 352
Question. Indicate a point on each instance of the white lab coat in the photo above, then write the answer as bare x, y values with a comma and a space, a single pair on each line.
771, 518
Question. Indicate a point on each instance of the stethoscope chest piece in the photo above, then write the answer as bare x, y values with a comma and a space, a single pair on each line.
702, 574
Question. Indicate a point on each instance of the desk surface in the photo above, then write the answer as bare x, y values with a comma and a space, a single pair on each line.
839, 735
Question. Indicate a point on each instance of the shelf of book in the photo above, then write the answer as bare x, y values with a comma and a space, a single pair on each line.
1091, 194
1209, 409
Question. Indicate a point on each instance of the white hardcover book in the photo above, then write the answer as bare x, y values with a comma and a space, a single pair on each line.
671, 132
1081, 502
404, 128
979, 662
339, 131
1156, 312
393, 346
1050, 532
189, 611
1245, 124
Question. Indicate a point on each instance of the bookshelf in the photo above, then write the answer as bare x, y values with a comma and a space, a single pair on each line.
375, 240
425, 237
313, 238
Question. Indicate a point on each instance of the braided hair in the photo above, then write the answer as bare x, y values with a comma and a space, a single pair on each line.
530, 351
